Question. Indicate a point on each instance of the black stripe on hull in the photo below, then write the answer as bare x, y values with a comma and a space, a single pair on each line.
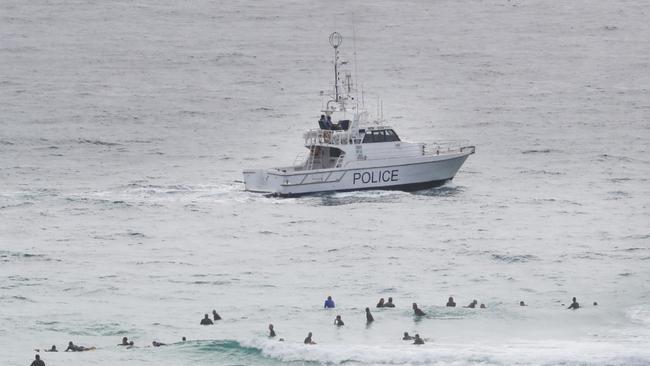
411, 187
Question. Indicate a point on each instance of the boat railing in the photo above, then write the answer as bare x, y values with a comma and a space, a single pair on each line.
335, 137
446, 147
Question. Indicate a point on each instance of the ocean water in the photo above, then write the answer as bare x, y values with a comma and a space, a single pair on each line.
124, 128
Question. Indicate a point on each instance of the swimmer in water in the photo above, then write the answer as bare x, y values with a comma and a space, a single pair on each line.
407, 337
329, 303
389, 303
369, 318
451, 303
271, 331
483, 306
472, 304
215, 316
74, 348
183, 339
206, 320
308, 340
338, 322
417, 310
158, 344
595, 303
381, 304
418, 340
125, 342
53, 349
522, 303
37, 361
574, 305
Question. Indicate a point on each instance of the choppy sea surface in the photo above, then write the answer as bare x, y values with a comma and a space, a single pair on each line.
124, 128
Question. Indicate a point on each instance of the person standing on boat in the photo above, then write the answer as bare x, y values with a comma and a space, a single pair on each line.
329, 303
322, 122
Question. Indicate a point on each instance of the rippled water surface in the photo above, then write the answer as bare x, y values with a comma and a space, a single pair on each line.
124, 128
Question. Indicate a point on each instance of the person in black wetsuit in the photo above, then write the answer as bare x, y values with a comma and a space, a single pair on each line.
125, 342
451, 303
206, 320
338, 321
271, 331
74, 348
522, 303
183, 339
417, 311
37, 361
369, 318
407, 337
483, 306
574, 305
215, 316
158, 344
381, 304
418, 340
53, 349
308, 340
472, 304
389, 303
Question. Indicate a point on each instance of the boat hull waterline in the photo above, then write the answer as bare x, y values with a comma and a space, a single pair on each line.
413, 175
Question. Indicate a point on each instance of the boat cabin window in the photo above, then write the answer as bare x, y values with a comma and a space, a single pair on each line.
380, 136
335, 153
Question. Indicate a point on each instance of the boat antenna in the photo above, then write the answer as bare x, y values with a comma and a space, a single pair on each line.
335, 41
354, 49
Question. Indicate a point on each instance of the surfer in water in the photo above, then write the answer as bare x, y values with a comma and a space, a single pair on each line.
418, 340
417, 311
308, 340
451, 303
381, 304
522, 303
158, 344
271, 331
407, 337
206, 320
53, 349
37, 361
329, 303
389, 303
215, 316
574, 305
125, 342
338, 322
74, 348
472, 304
369, 318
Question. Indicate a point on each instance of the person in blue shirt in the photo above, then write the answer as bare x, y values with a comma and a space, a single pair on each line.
329, 303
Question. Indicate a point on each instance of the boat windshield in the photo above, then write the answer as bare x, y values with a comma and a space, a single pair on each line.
380, 136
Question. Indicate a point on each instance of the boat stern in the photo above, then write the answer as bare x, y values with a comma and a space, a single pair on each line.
259, 180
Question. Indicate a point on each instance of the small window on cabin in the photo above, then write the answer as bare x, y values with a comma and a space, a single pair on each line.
391, 136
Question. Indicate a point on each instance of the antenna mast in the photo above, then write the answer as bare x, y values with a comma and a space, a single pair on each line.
335, 41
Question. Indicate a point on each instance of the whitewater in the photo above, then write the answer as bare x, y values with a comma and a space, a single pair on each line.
125, 127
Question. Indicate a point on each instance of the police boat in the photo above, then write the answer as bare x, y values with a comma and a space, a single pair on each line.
356, 153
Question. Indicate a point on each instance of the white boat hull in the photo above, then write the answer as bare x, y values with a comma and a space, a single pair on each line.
399, 174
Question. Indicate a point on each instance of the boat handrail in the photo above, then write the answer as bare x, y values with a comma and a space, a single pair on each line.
445, 147
335, 137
